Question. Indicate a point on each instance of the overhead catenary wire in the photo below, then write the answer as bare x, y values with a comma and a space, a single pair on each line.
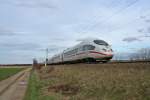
94, 24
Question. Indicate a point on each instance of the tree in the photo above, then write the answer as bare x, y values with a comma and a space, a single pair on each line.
142, 54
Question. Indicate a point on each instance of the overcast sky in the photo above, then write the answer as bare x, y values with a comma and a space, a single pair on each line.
27, 27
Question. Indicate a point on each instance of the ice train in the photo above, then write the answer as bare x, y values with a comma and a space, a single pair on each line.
93, 50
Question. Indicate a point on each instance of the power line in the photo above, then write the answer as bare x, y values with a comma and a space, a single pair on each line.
137, 19
106, 20
97, 16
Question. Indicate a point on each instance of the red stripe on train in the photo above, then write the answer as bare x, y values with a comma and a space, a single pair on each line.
100, 53
95, 52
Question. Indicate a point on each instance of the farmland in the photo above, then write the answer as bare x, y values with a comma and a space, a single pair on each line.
118, 81
7, 72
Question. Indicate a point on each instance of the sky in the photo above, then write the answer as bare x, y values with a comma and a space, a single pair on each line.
28, 27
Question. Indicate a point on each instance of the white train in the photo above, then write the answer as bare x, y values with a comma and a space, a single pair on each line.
87, 51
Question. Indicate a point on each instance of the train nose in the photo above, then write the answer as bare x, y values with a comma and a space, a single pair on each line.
109, 52
107, 48
110, 55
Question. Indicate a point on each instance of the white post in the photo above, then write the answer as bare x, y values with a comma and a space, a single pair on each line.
46, 57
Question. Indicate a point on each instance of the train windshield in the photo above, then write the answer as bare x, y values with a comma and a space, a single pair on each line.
100, 42
88, 47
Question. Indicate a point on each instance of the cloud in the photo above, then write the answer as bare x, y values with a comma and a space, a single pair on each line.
35, 5
6, 32
87, 39
140, 30
131, 39
147, 20
142, 17
31, 4
54, 48
146, 36
146, 30
58, 39
20, 46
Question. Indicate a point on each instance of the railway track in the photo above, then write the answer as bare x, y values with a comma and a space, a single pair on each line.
14, 87
128, 61
111, 62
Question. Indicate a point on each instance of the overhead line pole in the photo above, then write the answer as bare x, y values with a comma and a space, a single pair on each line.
46, 57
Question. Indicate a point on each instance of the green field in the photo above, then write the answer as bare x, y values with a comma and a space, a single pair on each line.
125, 81
7, 72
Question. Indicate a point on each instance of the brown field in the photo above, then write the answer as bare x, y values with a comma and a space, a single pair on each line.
120, 81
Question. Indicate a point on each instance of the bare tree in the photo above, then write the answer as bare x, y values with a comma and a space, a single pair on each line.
142, 54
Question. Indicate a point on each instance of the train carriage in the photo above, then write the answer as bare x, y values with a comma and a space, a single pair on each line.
88, 50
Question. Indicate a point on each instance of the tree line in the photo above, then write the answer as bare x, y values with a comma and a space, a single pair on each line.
142, 54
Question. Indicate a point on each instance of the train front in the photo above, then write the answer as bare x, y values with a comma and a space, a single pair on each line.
103, 51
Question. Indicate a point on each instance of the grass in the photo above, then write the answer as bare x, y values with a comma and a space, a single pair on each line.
7, 72
126, 81
32, 90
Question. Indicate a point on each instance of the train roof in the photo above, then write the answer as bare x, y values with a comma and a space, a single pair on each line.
83, 42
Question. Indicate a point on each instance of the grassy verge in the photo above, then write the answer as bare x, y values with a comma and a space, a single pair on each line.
91, 82
34, 89
32, 92
7, 72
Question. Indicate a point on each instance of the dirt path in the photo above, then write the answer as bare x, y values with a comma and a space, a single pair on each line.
14, 87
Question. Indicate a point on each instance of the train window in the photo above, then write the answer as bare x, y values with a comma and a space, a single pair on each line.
104, 50
100, 42
74, 51
80, 48
88, 47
